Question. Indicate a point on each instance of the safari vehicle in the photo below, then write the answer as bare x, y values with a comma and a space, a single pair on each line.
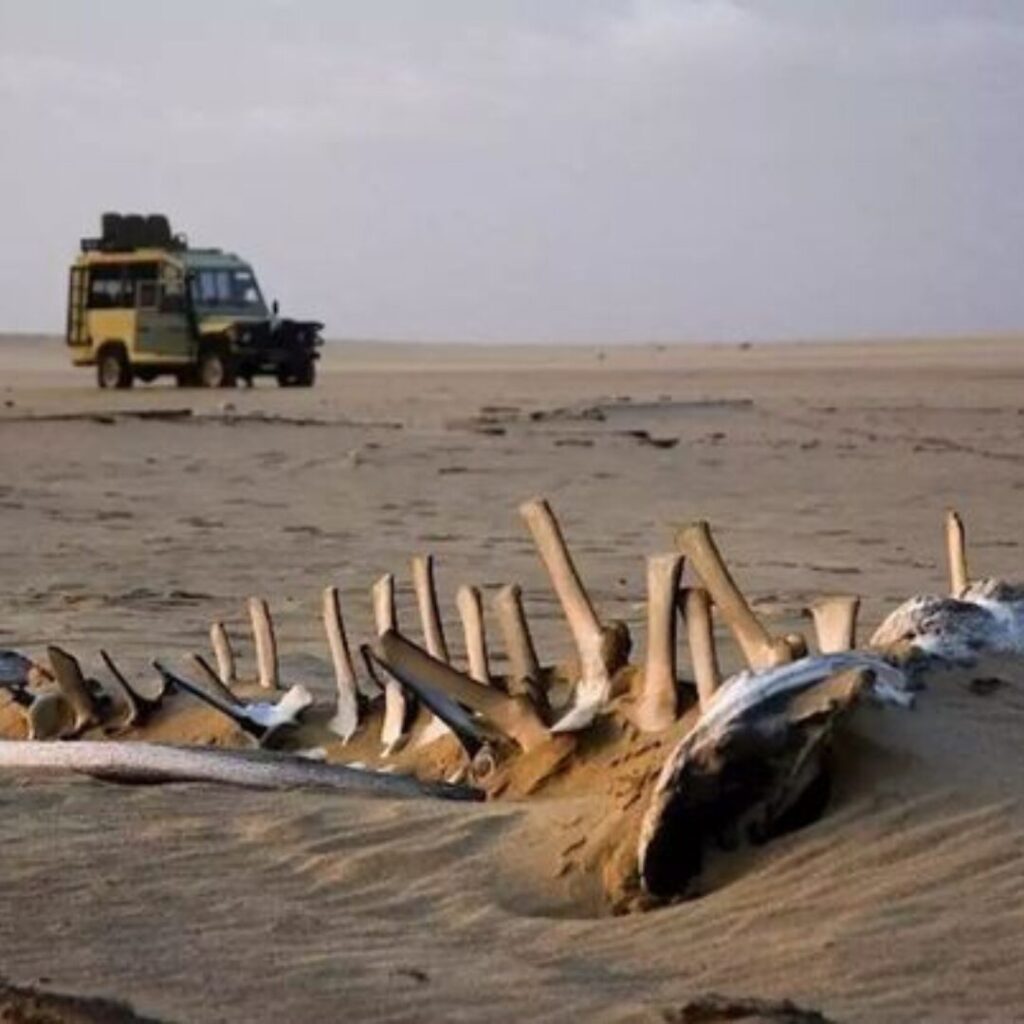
142, 302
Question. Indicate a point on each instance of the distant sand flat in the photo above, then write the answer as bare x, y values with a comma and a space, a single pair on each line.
825, 468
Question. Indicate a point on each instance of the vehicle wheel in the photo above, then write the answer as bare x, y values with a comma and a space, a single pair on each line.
215, 370
113, 369
297, 375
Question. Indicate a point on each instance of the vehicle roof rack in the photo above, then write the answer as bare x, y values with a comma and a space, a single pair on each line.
124, 232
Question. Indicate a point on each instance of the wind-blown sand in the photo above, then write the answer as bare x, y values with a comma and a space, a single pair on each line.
823, 469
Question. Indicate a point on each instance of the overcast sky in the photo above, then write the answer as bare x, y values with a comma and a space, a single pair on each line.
536, 170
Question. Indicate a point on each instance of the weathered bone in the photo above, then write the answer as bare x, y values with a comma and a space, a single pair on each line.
255, 717
594, 686
469, 731
835, 622
266, 643
471, 611
346, 715
393, 726
759, 647
50, 717
700, 638
657, 705
155, 762
515, 631
514, 716
426, 601
72, 685
779, 719
956, 548
222, 651
134, 710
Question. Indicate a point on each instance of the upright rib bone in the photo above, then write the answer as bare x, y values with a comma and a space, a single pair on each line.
266, 643
385, 619
471, 612
594, 686
700, 638
835, 623
760, 649
657, 706
956, 549
223, 653
426, 601
346, 715
515, 632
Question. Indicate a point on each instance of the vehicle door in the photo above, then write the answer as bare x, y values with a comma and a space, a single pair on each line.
164, 331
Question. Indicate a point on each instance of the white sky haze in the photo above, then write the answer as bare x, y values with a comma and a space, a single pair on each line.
612, 170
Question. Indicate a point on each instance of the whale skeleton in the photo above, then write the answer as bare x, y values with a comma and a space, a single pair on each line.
777, 716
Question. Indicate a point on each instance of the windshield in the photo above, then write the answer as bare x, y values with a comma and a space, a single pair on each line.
227, 290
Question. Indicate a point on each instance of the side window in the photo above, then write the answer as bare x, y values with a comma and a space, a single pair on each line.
140, 285
105, 287
172, 290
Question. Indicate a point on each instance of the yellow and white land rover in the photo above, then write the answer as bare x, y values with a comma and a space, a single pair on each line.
142, 302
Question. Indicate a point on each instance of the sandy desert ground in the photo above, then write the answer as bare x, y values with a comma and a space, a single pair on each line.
824, 468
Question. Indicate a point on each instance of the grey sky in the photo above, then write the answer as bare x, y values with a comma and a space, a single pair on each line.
558, 170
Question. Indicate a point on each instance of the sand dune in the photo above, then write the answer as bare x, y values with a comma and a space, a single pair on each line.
824, 469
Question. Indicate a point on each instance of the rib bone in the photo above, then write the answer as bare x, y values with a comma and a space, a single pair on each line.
759, 647
594, 686
514, 716
346, 716
515, 631
393, 726
957, 552
835, 623
657, 705
426, 601
71, 682
223, 653
700, 638
266, 643
472, 613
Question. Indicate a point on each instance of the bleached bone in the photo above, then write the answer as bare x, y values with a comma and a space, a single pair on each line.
47, 715
700, 638
346, 716
433, 633
835, 622
515, 632
222, 651
760, 649
468, 729
956, 549
471, 611
393, 726
514, 716
657, 705
266, 643
594, 685
72, 685
426, 601
155, 762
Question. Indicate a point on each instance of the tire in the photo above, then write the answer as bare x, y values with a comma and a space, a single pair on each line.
297, 375
112, 368
215, 369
